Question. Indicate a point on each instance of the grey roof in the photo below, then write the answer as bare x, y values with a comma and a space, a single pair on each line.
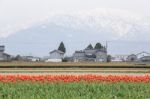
58, 51
2, 46
79, 51
31, 57
6, 54
132, 55
143, 52
91, 56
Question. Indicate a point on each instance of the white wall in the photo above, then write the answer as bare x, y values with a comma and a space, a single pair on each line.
54, 60
56, 55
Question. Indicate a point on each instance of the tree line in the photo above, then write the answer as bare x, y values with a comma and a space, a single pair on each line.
97, 46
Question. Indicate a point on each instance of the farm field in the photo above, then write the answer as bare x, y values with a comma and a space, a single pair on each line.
74, 87
27, 90
74, 82
74, 70
71, 67
14, 63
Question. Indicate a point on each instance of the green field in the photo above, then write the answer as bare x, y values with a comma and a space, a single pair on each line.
82, 90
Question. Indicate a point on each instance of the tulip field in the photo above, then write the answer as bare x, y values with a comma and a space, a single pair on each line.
74, 87
73, 78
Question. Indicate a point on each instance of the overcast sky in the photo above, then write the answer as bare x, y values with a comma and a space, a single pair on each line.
18, 14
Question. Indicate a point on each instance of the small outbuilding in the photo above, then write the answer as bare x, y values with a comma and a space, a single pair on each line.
31, 58
4, 56
55, 56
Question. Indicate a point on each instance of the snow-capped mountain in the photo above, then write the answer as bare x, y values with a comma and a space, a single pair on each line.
77, 30
120, 25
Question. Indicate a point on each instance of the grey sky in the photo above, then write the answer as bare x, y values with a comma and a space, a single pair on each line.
18, 14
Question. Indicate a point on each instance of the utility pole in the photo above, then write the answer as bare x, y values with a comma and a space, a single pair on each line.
107, 56
107, 45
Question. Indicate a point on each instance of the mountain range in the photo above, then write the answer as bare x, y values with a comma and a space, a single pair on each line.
125, 33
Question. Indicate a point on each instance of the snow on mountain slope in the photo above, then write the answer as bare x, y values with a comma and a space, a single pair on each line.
120, 24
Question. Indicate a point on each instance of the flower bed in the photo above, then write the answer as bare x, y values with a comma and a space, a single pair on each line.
74, 78
74, 87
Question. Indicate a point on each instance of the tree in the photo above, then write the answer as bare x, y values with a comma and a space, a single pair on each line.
98, 46
18, 58
62, 47
109, 58
89, 46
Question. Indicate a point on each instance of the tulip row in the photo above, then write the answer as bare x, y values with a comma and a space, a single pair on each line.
74, 78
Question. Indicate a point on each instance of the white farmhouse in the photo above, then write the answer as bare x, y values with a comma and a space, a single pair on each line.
55, 56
